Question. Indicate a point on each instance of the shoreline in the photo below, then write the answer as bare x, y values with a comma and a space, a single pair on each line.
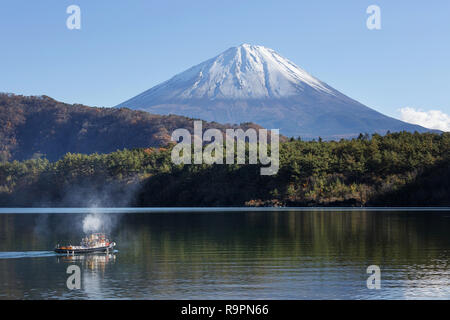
34, 210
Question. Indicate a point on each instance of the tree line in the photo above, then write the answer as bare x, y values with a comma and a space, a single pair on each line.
372, 170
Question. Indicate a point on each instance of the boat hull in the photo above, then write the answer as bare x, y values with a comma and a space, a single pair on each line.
85, 250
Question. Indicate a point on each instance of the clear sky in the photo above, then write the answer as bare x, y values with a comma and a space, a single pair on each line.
126, 47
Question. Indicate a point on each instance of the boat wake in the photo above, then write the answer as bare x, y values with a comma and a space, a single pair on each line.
26, 254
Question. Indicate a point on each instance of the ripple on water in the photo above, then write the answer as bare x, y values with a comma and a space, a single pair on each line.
26, 254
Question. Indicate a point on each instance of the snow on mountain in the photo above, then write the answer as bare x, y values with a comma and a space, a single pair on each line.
244, 72
255, 84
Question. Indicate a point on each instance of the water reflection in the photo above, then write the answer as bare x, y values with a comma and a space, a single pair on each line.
93, 267
92, 262
260, 255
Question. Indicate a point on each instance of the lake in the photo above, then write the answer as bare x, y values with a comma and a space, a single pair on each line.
229, 253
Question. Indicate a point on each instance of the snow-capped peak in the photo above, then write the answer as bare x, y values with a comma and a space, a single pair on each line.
243, 72
251, 83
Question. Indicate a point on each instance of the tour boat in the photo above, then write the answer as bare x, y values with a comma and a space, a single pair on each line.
96, 242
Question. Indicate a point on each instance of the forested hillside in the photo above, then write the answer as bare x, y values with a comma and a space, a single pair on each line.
37, 127
396, 169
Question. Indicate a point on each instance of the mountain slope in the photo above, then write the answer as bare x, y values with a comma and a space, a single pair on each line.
42, 126
255, 84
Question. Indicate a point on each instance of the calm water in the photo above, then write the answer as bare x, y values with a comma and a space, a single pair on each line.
229, 254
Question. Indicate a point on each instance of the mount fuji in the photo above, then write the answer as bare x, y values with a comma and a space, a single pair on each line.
255, 84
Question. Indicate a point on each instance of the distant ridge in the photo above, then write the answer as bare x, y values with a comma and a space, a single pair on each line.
40, 126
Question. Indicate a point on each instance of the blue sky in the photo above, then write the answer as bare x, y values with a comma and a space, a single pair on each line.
126, 47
